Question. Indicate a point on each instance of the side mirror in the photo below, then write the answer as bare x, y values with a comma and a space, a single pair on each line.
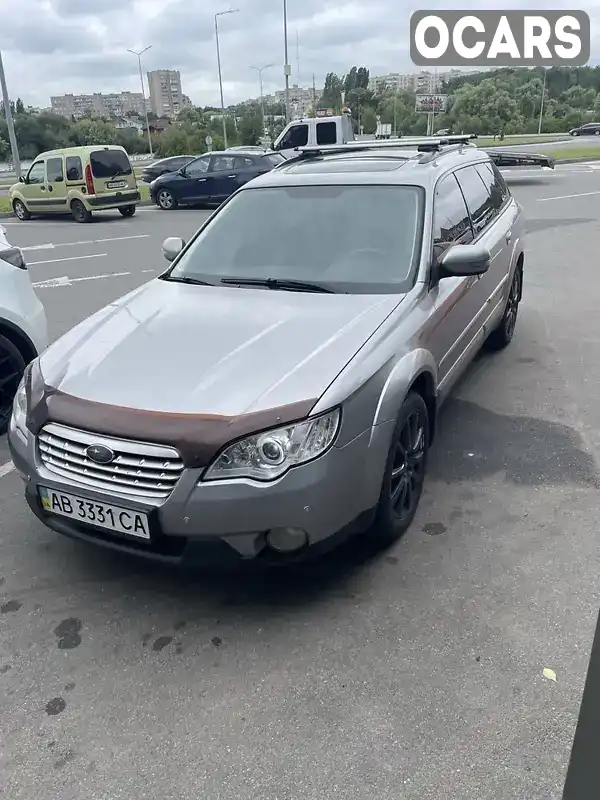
273, 146
22, 179
463, 260
171, 247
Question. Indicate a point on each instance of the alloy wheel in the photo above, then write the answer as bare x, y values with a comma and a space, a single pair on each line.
408, 467
165, 200
512, 306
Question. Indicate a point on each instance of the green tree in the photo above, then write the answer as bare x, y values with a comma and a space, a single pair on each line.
251, 129
332, 92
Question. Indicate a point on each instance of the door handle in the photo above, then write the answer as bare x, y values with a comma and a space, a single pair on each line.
508, 237
42, 188
232, 176
201, 180
49, 188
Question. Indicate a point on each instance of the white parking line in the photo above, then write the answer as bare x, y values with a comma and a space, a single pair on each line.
72, 258
6, 468
51, 246
566, 196
64, 280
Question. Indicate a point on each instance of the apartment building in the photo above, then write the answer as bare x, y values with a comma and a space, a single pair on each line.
102, 105
166, 97
301, 100
421, 82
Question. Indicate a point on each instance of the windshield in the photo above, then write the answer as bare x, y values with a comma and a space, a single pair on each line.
107, 163
359, 239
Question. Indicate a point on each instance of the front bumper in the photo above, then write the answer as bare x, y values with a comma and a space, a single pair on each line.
329, 498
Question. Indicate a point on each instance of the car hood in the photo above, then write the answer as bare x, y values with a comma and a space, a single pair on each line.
188, 349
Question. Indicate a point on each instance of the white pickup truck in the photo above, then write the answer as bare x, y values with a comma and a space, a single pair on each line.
312, 131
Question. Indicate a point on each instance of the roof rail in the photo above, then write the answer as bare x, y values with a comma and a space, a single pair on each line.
418, 142
424, 144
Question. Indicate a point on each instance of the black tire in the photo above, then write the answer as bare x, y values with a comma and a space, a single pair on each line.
502, 336
20, 211
127, 211
401, 491
12, 366
80, 212
165, 200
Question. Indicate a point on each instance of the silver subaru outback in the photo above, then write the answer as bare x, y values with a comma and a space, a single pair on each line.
277, 388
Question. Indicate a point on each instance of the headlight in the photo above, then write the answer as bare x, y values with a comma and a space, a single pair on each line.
267, 456
20, 408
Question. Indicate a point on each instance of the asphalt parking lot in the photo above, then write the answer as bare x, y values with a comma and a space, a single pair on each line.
413, 675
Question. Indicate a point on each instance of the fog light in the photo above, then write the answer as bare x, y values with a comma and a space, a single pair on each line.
287, 540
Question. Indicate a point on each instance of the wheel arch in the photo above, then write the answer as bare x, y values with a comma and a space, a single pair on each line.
19, 338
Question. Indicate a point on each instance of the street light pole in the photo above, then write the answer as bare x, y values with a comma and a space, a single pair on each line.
287, 70
262, 97
139, 55
217, 15
9, 122
542, 103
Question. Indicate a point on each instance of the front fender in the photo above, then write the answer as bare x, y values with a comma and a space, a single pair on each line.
401, 378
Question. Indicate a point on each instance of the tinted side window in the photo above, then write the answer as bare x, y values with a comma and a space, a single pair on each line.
74, 168
54, 170
221, 163
197, 167
496, 185
477, 198
451, 223
37, 173
243, 162
326, 133
297, 136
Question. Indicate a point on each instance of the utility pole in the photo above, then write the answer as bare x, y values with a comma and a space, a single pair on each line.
314, 96
542, 104
139, 58
287, 70
262, 97
217, 15
9, 122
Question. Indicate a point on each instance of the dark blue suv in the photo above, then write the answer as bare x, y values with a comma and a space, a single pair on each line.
211, 178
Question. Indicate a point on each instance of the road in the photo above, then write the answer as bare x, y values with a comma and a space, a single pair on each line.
414, 675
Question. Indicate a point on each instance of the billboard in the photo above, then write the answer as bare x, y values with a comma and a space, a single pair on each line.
427, 103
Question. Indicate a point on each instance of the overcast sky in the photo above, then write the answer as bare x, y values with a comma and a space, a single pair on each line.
55, 46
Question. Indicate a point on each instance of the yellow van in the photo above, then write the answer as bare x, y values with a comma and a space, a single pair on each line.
77, 180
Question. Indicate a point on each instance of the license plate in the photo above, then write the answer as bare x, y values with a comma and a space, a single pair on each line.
102, 515
116, 185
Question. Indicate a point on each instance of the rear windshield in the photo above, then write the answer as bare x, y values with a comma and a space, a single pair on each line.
274, 158
109, 163
358, 239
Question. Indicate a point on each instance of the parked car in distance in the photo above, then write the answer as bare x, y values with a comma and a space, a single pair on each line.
77, 181
23, 327
164, 166
302, 344
250, 148
211, 178
589, 129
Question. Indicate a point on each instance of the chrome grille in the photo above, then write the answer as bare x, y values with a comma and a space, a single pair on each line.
141, 470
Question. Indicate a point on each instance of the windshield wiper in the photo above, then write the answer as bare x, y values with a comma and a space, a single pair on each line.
120, 172
285, 284
187, 279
